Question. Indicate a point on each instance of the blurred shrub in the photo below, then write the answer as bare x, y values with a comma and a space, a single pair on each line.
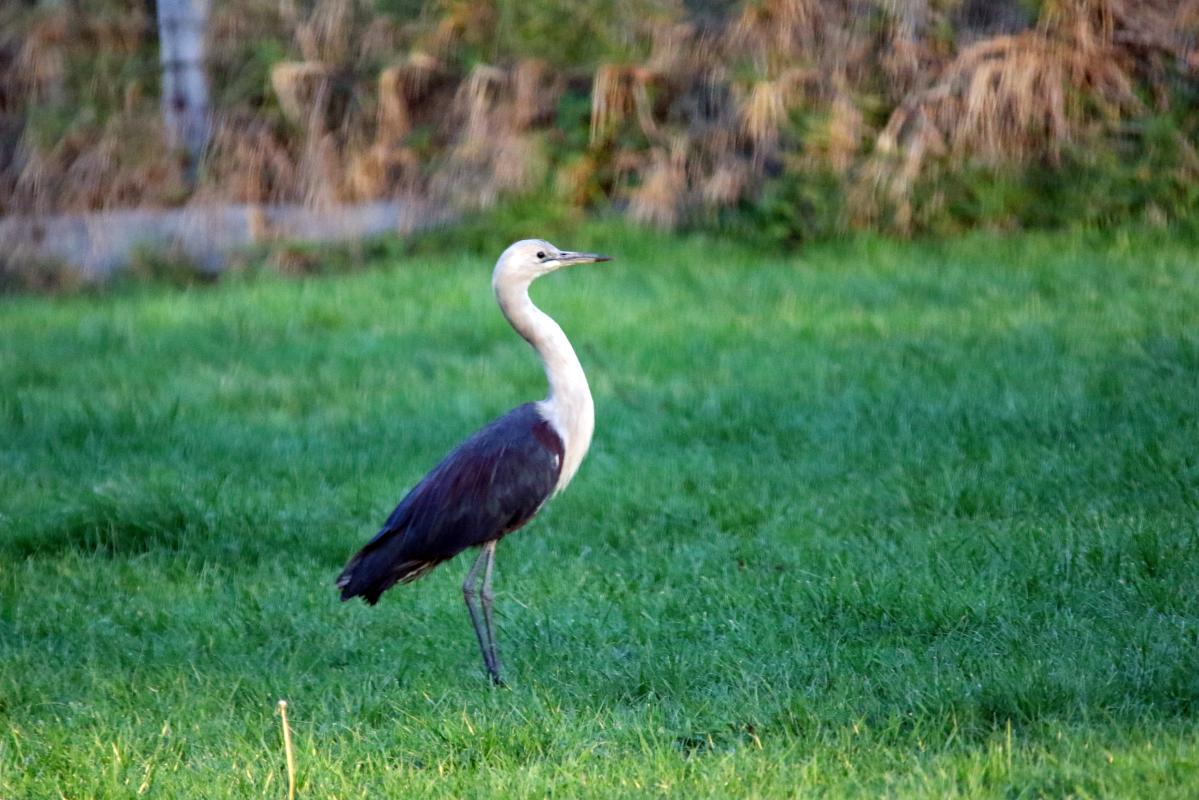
166, 266
1150, 175
773, 120
566, 34
790, 210
19, 275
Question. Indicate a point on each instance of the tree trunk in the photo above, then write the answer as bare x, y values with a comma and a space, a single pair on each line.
181, 26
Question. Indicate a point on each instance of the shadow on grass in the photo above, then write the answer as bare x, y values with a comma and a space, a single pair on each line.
105, 526
126, 527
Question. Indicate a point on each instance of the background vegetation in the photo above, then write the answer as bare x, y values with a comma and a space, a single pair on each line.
884, 519
870, 517
788, 118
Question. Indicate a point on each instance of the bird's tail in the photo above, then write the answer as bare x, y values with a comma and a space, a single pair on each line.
373, 571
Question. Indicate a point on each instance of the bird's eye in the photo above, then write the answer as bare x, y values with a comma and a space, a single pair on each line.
541, 254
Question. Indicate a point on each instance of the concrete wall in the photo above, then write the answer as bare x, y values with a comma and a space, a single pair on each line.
99, 243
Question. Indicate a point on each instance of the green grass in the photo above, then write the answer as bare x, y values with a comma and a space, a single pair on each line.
879, 519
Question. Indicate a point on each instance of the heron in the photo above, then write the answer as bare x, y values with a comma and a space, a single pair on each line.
497, 480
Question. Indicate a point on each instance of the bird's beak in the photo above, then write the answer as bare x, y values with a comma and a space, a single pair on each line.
569, 259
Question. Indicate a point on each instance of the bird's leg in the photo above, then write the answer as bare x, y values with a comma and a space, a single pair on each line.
470, 592
489, 551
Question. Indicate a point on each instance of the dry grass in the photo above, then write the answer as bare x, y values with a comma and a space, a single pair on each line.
1015, 98
771, 28
39, 71
657, 201
72, 140
494, 151
248, 162
536, 91
728, 183
790, 47
482, 104
908, 53
302, 88
325, 32
846, 131
578, 181
622, 92
389, 166
461, 22
121, 163
394, 118
305, 93
382, 171
1021, 98
320, 101
675, 50
763, 113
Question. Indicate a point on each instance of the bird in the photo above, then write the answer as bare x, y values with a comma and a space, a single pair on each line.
498, 479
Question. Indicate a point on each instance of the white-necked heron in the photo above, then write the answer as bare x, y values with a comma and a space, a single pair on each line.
497, 480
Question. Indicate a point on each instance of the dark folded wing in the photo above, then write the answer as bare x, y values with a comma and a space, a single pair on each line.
490, 485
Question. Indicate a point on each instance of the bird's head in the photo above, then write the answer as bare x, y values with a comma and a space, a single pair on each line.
532, 258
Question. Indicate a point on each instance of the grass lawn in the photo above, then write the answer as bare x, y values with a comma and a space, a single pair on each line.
876, 519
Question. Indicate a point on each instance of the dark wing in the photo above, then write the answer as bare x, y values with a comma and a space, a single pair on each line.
490, 485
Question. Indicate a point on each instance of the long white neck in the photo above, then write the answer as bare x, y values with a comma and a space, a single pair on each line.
568, 407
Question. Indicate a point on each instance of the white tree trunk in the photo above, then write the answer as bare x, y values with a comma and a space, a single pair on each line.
181, 25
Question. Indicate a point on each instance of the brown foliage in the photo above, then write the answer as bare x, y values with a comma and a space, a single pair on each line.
248, 162
657, 201
1019, 98
696, 115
